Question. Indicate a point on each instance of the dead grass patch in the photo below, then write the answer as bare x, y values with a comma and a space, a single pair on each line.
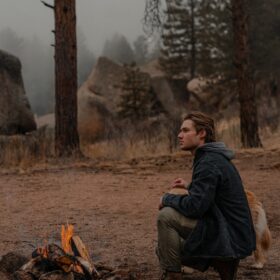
24, 151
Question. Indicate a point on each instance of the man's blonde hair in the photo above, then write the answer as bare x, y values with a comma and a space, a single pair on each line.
202, 121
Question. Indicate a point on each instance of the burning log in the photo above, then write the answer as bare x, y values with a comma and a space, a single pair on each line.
52, 266
79, 248
88, 269
36, 267
69, 262
30, 264
66, 235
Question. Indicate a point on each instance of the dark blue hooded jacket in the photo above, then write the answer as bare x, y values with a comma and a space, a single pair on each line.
218, 201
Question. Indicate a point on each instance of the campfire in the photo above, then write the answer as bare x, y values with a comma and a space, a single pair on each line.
70, 261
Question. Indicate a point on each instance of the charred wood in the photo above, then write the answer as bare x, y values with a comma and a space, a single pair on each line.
38, 266
11, 262
69, 263
4, 276
22, 275
57, 275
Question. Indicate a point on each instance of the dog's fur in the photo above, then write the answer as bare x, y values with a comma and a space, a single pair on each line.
263, 235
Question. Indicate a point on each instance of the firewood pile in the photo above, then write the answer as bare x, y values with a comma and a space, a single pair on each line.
70, 261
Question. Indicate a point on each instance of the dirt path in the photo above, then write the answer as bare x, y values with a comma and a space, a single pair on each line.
114, 207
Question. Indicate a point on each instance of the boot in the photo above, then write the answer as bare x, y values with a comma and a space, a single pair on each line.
168, 275
226, 269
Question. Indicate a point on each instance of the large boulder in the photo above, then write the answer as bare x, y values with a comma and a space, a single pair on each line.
172, 93
99, 97
16, 116
104, 82
209, 95
221, 100
172, 97
104, 87
94, 117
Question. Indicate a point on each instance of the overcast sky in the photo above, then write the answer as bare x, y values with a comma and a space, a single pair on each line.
98, 19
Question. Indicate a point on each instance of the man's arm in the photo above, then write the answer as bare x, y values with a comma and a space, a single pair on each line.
201, 194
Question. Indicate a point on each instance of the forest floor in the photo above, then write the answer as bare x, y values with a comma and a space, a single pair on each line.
113, 207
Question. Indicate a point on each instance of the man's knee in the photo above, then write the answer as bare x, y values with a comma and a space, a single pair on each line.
166, 215
170, 217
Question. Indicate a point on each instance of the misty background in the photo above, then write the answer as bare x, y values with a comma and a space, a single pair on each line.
104, 27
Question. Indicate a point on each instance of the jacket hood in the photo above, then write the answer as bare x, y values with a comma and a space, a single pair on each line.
219, 148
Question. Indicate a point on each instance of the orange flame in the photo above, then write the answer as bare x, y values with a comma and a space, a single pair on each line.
44, 250
66, 234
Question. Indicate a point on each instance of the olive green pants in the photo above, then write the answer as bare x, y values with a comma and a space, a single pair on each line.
173, 230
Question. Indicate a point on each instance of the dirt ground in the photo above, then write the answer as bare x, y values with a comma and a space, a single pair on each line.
114, 205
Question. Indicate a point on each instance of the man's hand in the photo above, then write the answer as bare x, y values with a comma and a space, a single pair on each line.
179, 183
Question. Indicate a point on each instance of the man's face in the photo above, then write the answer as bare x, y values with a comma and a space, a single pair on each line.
189, 139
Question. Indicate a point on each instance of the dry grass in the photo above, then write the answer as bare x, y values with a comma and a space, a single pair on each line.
25, 151
228, 131
126, 148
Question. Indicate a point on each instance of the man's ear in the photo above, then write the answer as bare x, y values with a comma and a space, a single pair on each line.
202, 134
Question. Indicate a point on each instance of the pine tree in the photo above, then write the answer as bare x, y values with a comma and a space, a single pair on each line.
140, 49
214, 36
175, 40
264, 37
138, 100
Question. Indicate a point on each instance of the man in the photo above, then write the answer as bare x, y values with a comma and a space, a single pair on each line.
212, 224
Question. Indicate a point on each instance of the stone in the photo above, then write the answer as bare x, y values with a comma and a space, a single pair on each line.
16, 116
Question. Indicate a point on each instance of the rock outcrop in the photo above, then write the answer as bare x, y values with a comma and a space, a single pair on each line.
104, 82
99, 96
94, 117
16, 116
172, 94
222, 103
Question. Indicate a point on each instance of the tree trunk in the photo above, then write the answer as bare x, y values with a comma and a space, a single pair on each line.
248, 109
66, 123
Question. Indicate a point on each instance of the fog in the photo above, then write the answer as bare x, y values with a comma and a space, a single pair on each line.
98, 19
25, 31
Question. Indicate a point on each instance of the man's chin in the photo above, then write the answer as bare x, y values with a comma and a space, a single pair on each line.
184, 148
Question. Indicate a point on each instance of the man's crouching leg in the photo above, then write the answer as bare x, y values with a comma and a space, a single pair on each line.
173, 229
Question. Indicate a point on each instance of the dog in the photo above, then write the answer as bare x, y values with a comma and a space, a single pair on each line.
263, 235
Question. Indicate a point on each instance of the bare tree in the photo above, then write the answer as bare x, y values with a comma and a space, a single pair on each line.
66, 124
248, 109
